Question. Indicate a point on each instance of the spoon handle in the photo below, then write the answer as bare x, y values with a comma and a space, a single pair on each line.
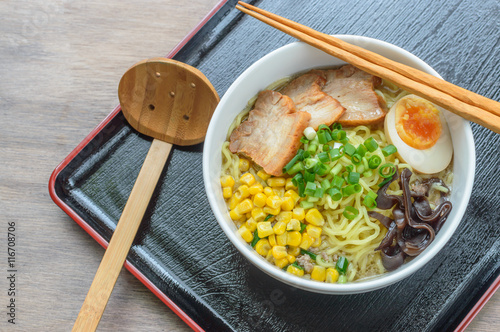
121, 241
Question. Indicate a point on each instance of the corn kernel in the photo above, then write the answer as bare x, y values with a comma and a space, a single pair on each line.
227, 181
269, 210
316, 243
293, 225
281, 263
314, 231
289, 184
259, 200
264, 229
293, 238
248, 215
244, 207
307, 241
273, 202
245, 233
293, 194
247, 179
276, 182
256, 188
263, 175
281, 239
279, 191
294, 251
234, 215
313, 216
284, 216
242, 192
258, 214
318, 273
287, 204
272, 240
233, 201
279, 228
262, 247
295, 270
251, 224
268, 191
244, 165
290, 258
227, 192
279, 252
269, 256
332, 275
298, 213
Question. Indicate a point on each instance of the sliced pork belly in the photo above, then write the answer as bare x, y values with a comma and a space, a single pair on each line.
354, 89
307, 96
271, 134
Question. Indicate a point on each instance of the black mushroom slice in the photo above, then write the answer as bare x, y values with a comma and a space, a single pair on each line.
414, 225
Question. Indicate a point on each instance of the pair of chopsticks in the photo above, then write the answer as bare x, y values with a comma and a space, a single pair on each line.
467, 104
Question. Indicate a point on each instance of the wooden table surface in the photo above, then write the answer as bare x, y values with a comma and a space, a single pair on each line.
61, 61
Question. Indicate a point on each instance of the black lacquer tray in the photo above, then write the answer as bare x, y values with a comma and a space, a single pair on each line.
183, 256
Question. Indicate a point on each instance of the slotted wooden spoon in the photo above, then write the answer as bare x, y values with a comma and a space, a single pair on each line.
173, 103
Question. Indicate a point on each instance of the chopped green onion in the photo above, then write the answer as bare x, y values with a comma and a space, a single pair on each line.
299, 166
298, 181
269, 216
336, 169
337, 125
310, 133
369, 202
309, 163
356, 159
256, 238
342, 279
312, 199
323, 157
361, 150
349, 149
302, 227
365, 161
387, 170
295, 159
360, 168
326, 148
310, 254
306, 205
308, 176
322, 137
337, 181
374, 161
335, 193
321, 169
325, 184
351, 189
389, 149
304, 140
312, 149
350, 212
310, 188
318, 192
353, 178
297, 265
342, 264
335, 154
383, 183
371, 144
367, 173
344, 140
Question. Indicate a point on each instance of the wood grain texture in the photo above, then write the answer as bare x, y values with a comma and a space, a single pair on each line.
61, 64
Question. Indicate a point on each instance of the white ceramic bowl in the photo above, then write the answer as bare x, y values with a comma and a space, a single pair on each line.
298, 57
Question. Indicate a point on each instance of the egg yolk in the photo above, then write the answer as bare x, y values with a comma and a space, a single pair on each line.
418, 123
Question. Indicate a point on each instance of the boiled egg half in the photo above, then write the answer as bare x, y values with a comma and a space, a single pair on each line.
418, 129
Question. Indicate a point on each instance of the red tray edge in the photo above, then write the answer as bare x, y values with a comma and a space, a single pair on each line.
132, 269
82, 223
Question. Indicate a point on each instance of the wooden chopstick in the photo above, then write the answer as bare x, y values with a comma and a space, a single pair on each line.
465, 103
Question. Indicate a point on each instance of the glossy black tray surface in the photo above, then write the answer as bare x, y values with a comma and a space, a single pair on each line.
183, 252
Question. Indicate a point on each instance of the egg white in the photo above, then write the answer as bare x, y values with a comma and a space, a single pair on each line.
427, 161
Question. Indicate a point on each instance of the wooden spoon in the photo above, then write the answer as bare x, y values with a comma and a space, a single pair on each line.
173, 103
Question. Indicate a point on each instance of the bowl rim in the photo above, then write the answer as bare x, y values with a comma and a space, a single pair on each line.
365, 285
